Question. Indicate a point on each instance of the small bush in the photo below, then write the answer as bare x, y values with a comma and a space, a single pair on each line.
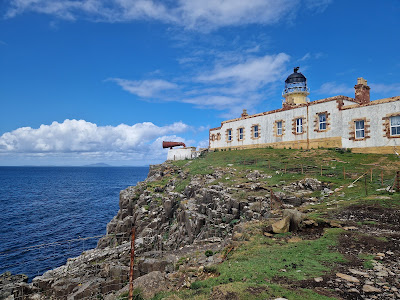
209, 253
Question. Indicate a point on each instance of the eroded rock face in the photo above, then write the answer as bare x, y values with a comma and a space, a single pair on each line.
174, 215
168, 220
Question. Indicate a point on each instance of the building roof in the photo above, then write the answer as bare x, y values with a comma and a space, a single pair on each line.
295, 77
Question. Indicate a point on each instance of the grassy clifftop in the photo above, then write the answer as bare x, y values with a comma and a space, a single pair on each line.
347, 249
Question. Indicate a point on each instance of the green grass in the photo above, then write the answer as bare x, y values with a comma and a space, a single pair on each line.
367, 260
261, 259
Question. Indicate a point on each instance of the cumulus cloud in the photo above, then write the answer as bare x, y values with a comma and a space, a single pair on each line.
144, 88
225, 86
332, 88
393, 88
254, 71
202, 15
79, 137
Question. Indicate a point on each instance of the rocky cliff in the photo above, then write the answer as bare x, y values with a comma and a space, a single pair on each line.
175, 214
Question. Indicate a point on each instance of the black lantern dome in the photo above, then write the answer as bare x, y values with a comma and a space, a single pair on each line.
296, 77
296, 83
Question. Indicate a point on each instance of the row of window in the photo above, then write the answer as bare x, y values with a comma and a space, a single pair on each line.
359, 126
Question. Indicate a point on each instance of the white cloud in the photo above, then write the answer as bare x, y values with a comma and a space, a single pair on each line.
144, 88
393, 88
332, 88
317, 5
85, 138
253, 72
204, 15
208, 14
226, 86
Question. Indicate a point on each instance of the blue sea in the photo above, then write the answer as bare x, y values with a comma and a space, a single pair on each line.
47, 212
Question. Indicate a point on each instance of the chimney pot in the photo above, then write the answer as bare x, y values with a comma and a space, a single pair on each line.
362, 91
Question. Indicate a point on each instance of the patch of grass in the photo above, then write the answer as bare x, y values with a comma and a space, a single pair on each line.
262, 258
367, 260
180, 187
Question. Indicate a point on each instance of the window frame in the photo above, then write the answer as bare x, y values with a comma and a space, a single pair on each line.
240, 133
255, 131
279, 128
299, 126
397, 126
323, 122
229, 135
357, 130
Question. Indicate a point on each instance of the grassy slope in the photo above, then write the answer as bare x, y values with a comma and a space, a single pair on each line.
253, 270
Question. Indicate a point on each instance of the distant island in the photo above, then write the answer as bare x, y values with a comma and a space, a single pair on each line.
98, 165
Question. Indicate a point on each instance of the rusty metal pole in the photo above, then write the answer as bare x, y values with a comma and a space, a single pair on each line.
132, 264
344, 173
321, 170
302, 171
398, 181
371, 174
365, 184
381, 178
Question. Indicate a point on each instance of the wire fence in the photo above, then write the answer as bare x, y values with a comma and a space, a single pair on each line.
52, 255
374, 175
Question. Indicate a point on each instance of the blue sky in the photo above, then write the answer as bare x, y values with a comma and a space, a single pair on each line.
107, 80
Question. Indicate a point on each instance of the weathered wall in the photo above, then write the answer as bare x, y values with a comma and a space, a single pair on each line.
181, 153
339, 131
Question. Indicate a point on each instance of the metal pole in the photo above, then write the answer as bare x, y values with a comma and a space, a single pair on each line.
302, 169
365, 184
344, 173
381, 178
321, 170
132, 263
371, 174
398, 181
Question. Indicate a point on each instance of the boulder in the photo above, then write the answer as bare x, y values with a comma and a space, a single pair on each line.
281, 226
370, 289
295, 218
152, 283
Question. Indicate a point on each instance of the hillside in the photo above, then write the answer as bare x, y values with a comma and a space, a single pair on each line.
207, 229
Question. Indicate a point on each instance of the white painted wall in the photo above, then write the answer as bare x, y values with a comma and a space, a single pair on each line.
182, 153
339, 125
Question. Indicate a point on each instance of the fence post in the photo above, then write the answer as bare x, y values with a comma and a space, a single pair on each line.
321, 170
371, 174
344, 172
365, 184
398, 181
302, 172
381, 178
132, 263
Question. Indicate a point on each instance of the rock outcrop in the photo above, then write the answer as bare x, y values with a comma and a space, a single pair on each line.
176, 215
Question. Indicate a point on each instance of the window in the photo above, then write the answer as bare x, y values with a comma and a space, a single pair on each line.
218, 136
360, 133
299, 125
255, 131
322, 121
240, 133
229, 132
212, 137
395, 125
279, 128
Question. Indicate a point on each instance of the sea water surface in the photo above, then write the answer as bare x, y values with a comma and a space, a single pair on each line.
43, 208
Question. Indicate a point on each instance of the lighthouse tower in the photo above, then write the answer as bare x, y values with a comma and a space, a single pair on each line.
296, 90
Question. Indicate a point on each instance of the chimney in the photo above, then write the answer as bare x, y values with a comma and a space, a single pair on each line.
244, 113
362, 91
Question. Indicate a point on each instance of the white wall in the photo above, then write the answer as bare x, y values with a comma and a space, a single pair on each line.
338, 125
181, 153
